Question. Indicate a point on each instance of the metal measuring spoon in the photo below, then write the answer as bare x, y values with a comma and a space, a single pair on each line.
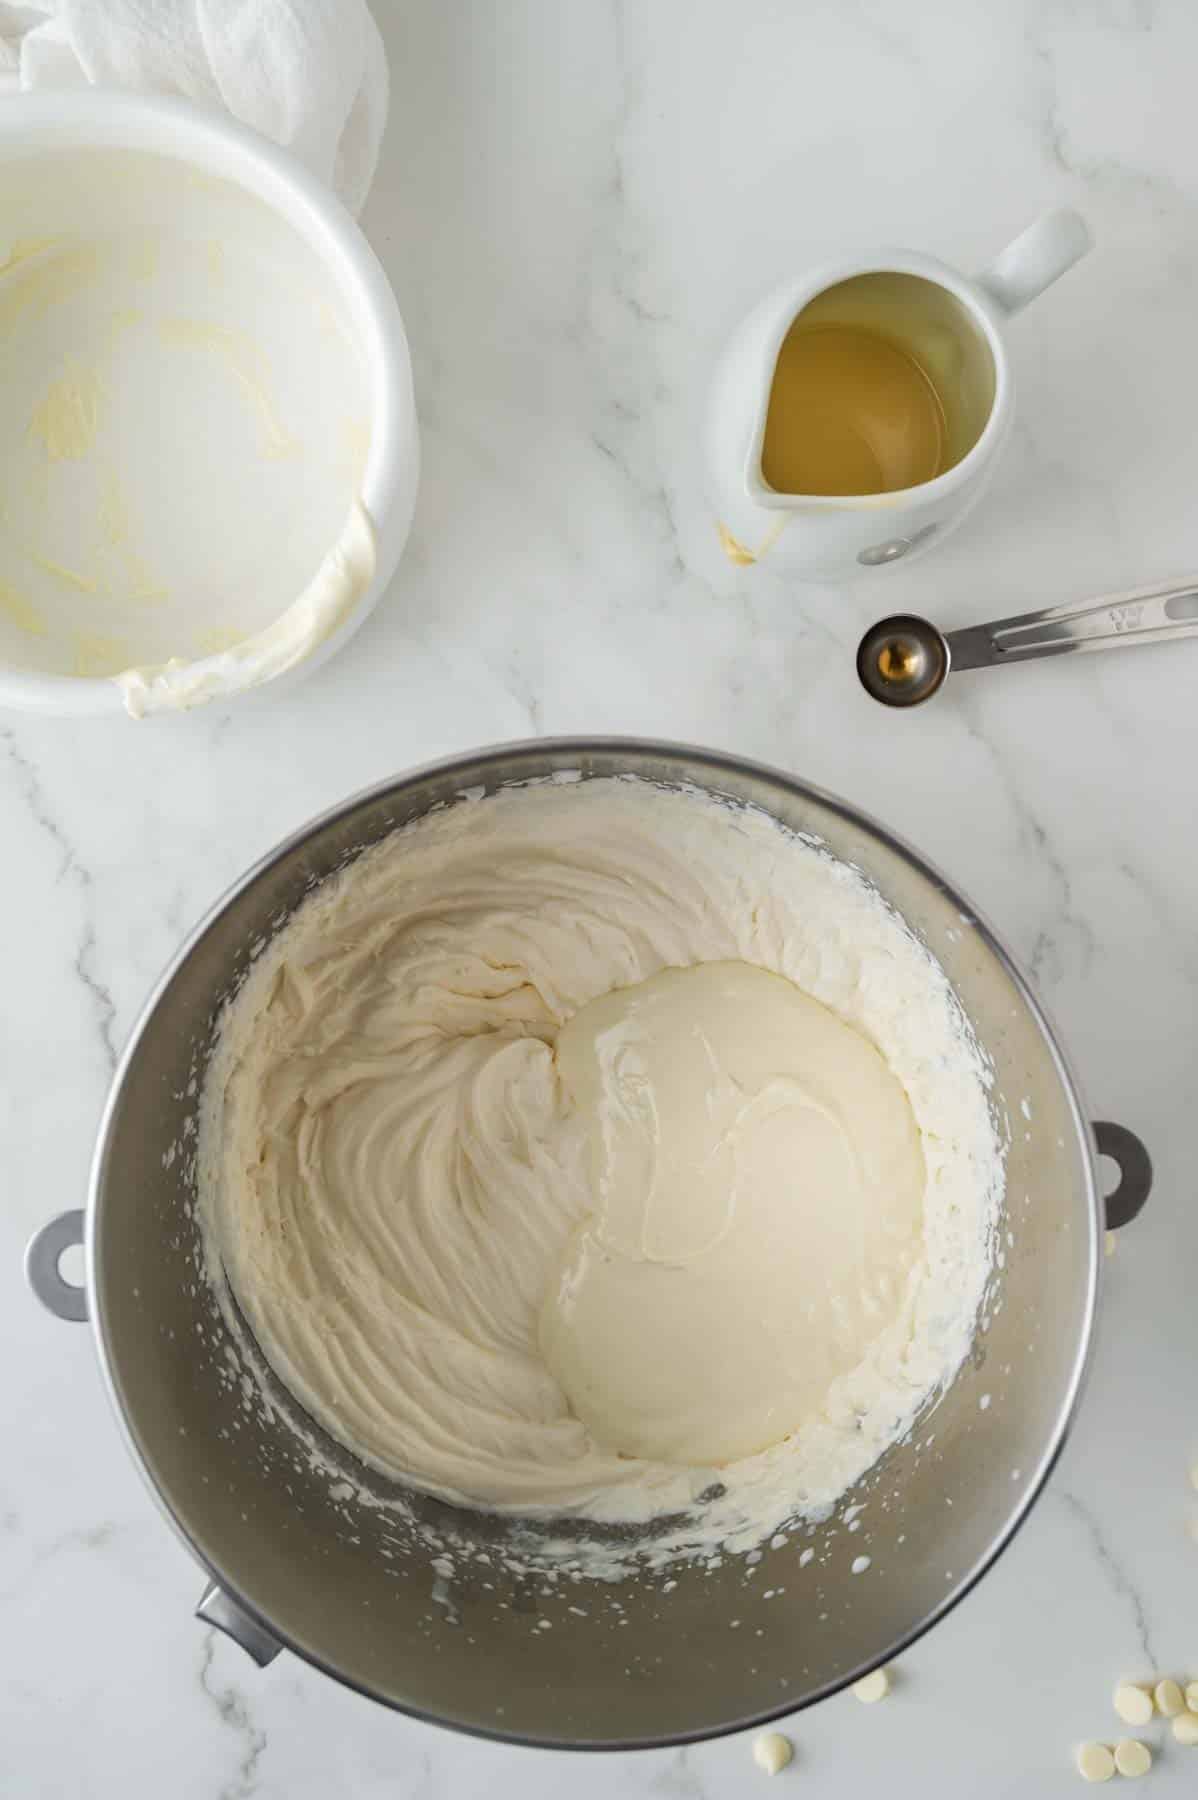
903, 660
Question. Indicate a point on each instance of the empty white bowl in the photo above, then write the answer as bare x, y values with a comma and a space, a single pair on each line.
208, 440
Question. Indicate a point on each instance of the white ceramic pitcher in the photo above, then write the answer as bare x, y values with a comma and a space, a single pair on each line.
827, 537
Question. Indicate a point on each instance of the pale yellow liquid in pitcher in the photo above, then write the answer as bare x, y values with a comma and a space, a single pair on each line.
851, 411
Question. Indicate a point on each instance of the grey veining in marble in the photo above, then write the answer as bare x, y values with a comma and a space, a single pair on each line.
575, 202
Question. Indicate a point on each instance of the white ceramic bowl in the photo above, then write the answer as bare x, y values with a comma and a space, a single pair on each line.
202, 369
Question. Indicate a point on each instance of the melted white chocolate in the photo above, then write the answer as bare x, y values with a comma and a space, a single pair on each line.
757, 1206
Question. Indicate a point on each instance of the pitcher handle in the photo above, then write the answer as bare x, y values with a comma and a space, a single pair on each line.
1035, 259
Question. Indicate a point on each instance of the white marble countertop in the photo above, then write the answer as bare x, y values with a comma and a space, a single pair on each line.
575, 200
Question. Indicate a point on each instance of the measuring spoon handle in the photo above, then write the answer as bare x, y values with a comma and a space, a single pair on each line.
1147, 615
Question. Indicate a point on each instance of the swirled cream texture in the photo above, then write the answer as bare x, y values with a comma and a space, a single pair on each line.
580, 1146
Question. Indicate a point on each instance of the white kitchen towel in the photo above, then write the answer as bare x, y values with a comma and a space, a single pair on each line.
311, 74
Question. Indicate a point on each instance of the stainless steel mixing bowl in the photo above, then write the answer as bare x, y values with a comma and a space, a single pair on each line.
353, 1589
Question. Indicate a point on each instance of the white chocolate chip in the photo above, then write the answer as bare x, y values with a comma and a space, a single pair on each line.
1095, 1763
1192, 1696
1110, 1243
1169, 1698
772, 1751
1185, 1729
874, 1686
1133, 1703
1132, 1757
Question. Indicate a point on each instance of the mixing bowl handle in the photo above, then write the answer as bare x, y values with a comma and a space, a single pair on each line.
64, 1299
220, 1609
1135, 1171
67, 1301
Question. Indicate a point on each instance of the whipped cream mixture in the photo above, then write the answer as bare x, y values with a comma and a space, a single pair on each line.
604, 1148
